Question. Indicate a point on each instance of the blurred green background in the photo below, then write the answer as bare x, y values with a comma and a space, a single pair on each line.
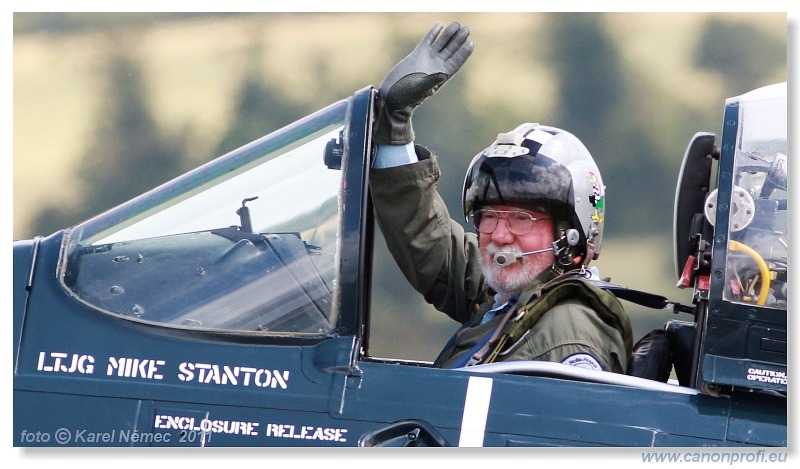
109, 105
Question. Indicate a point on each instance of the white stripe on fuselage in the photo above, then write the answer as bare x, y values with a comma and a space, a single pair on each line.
476, 411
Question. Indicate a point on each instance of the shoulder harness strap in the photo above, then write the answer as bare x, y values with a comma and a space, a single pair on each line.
535, 302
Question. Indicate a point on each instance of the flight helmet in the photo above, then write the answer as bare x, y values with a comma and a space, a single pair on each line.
549, 170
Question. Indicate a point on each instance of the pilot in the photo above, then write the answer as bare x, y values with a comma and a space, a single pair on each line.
519, 285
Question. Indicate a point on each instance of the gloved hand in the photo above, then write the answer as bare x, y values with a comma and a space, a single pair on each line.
418, 76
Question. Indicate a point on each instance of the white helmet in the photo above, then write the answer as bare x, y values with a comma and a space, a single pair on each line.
544, 169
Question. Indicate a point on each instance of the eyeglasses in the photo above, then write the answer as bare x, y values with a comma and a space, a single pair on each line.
518, 222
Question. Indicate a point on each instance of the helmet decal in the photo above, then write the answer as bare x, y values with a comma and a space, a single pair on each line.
597, 197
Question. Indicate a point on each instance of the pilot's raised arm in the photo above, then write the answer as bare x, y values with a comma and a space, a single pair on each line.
537, 202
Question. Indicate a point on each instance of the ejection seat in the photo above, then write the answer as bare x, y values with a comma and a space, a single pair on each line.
655, 355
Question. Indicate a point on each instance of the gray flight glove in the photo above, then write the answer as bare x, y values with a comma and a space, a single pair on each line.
419, 75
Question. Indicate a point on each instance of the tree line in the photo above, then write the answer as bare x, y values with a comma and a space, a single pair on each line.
129, 153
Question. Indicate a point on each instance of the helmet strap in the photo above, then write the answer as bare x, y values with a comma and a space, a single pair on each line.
594, 230
589, 252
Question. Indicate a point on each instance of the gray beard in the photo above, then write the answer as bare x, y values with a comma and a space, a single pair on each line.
505, 283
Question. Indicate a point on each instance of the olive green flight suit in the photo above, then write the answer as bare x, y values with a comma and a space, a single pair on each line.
442, 262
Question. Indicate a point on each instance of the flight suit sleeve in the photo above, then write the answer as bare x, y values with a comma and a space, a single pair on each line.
438, 258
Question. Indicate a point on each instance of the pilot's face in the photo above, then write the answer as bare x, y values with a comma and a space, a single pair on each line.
511, 229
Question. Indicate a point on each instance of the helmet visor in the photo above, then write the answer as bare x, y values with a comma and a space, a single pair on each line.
534, 182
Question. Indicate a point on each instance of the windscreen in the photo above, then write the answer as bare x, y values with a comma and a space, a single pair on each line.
757, 265
247, 243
